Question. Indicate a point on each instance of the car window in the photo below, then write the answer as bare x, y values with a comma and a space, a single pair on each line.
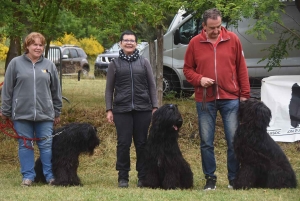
189, 29
81, 53
74, 53
66, 52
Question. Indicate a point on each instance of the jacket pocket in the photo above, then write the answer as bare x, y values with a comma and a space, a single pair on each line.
22, 108
44, 107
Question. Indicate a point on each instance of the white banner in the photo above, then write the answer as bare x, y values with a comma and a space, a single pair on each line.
282, 95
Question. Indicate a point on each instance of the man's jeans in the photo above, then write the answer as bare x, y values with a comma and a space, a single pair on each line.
207, 123
41, 129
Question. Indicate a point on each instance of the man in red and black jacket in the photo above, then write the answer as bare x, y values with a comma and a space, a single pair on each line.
214, 64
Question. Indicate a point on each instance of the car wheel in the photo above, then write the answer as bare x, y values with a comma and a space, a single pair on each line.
171, 83
85, 70
166, 86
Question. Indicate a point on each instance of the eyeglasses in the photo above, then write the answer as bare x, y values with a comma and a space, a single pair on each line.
128, 41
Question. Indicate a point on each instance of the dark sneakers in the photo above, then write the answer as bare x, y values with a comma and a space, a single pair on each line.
230, 185
123, 183
140, 184
210, 183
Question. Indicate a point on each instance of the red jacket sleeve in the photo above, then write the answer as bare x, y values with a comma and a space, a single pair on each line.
189, 68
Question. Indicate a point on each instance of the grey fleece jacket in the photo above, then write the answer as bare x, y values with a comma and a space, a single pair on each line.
31, 91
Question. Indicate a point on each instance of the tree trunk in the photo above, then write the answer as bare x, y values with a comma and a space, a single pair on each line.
14, 49
15, 41
159, 70
152, 56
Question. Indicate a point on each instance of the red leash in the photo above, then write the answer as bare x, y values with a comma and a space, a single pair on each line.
4, 127
9, 125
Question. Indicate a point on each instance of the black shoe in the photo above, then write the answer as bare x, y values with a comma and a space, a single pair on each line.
140, 184
230, 185
123, 183
210, 183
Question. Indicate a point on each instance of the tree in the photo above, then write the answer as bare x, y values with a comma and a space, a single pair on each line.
267, 13
14, 22
147, 18
26, 16
153, 14
21, 17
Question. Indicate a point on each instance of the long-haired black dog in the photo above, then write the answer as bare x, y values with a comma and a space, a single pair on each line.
165, 166
68, 143
263, 164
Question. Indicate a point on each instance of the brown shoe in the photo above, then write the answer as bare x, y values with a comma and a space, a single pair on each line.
51, 181
26, 183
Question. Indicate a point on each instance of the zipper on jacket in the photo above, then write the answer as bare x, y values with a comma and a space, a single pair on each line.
14, 113
216, 74
34, 92
132, 91
215, 54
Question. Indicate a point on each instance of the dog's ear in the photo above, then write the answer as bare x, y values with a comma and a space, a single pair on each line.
91, 138
255, 113
264, 115
167, 116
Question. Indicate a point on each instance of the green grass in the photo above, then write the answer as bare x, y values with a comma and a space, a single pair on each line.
98, 172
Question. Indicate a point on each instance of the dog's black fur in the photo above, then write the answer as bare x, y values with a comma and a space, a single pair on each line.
165, 166
263, 164
294, 106
73, 139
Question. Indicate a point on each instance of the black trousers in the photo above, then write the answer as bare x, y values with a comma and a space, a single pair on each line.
134, 124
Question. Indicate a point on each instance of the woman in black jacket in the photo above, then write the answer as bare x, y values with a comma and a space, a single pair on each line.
131, 99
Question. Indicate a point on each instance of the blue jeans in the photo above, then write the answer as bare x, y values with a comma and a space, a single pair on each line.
34, 129
207, 123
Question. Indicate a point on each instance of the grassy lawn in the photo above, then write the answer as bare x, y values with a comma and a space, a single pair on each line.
98, 173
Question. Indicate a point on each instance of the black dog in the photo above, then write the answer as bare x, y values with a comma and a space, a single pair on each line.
165, 166
294, 107
262, 162
68, 143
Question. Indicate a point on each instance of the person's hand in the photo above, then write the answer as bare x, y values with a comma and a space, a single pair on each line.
206, 82
56, 120
3, 117
110, 116
243, 99
153, 110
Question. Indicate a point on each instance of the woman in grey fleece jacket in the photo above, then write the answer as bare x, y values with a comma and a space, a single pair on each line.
31, 98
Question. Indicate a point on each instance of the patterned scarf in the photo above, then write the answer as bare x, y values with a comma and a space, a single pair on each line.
129, 58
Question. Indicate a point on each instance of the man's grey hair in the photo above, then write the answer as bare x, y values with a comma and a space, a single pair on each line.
212, 13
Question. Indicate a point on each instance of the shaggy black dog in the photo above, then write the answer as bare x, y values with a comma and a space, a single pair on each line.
68, 143
262, 162
294, 107
165, 166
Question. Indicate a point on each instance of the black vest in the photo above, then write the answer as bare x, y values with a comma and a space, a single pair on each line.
131, 86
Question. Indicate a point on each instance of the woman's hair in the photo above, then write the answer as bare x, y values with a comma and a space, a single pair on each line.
212, 13
30, 39
128, 32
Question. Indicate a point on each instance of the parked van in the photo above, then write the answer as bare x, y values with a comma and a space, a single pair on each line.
184, 27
